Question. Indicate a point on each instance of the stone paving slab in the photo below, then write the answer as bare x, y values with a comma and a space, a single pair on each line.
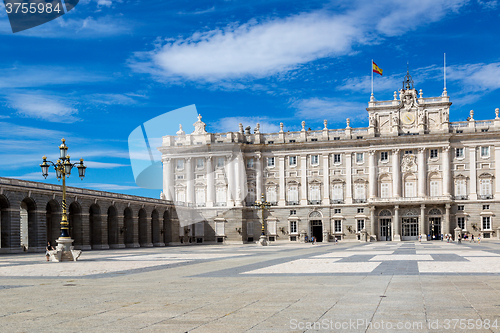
246, 288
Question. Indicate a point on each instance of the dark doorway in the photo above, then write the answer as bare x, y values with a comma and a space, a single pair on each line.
317, 230
112, 227
435, 228
385, 230
75, 224
128, 227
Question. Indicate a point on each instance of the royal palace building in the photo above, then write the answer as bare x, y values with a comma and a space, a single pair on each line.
411, 173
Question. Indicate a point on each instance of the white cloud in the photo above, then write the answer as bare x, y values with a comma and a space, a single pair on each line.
258, 49
334, 110
112, 99
41, 106
489, 5
104, 165
476, 77
9, 130
231, 124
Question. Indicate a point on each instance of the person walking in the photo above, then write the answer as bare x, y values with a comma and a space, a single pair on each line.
479, 239
336, 241
460, 239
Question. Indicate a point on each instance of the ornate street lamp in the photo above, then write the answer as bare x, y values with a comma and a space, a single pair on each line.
262, 205
63, 168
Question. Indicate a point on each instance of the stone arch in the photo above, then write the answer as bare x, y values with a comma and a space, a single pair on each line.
435, 211
112, 227
4, 222
167, 227
75, 224
30, 226
315, 214
95, 239
128, 227
385, 212
52, 221
155, 228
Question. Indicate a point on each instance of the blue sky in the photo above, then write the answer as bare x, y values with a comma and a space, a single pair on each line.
96, 73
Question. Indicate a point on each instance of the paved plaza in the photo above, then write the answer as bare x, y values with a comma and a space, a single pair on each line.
349, 287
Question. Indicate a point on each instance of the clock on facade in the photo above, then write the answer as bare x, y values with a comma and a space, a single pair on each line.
407, 118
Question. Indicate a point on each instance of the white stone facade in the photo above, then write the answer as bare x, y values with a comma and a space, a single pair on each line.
410, 174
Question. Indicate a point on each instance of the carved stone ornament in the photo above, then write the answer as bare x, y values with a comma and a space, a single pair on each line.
199, 126
408, 163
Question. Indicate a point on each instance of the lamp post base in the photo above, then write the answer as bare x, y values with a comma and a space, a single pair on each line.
64, 251
263, 240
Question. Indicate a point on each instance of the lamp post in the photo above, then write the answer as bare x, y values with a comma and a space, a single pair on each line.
63, 168
263, 205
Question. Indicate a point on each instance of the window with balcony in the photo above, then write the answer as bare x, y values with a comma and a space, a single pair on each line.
271, 195
200, 197
409, 189
337, 193
434, 188
486, 189
385, 190
293, 195
460, 189
314, 195
360, 193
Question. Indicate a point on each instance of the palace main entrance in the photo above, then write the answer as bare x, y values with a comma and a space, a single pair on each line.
435, 228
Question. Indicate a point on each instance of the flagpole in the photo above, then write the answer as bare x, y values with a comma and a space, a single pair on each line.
372, 76
444, 72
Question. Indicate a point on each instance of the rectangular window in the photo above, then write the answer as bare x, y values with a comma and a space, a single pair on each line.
337, 138
293, 227
361, 225
180, 164
359, 157
314, 195
459, 152
359, 192
271, 195
360, 210
434, 188
486, 223
384, 156
338, 225
486, 207
460, 207
461, 222
200, 197
408, 152
337, 211
270, 142
270, 161
409, 189
486, 187
200, 163
384, 190
314, 159
292, 141
220, 195
271, 227
250, 163
219, 228
293, 160
338, 193
293, 212
314, 140
434, 153
293, 195
336, 158
461, 189
485, 151
359, 137
220, 162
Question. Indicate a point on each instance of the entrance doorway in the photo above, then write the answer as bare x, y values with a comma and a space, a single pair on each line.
410, 228
385, 230
317, 230
435, 228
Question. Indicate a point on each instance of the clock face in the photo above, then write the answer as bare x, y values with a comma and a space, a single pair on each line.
407, 118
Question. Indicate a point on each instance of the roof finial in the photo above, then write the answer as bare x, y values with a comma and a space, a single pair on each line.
408, 81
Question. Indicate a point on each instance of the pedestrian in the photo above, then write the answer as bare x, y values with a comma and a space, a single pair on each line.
472, 239
479, 239
441, 237
313, 239
448, 238
460, 239
47, 249
420, 238
336, 241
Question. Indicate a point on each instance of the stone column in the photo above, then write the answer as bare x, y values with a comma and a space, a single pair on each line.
422, 225
497, 174
258, 175
281, 199
421, 172
230, 181
396, 223
373, 224
473, 174
210, 182
372, 178
446, 223
190, 182
238, 176
303, 180
348, 178
168, 179
326, 180
396, 175
446, 171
